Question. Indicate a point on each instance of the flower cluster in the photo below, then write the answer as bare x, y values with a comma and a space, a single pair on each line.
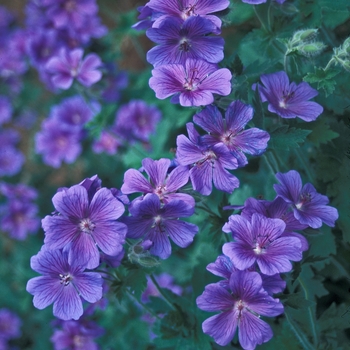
185, 59
264, 244
76, 334
19, 214
56, 31
289, 100
10, 325
85, 221
155, 215
223, 148
135, 121
61, 134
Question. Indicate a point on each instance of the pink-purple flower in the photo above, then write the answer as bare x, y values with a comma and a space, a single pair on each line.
260, 241
81, 227
164, 185
207, 163
241, 307
230, 130
70, 65
309, 207
63, 284
192, 84
289, 100
155, 222
180, 40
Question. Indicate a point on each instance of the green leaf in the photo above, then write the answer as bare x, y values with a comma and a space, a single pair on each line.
321, 133
285, 138
258, 109
323, 78
296, 300
334, 318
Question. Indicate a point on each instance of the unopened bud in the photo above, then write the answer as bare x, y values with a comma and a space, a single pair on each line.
306, 35
346, 65
346, 43
311, 49
289, 9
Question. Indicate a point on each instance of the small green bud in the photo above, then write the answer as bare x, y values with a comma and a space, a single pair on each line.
346, 65
311, 49
306, 35
346, 43
289, 9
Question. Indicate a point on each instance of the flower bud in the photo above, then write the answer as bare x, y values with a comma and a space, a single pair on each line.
346, 65
311, 49
305, 36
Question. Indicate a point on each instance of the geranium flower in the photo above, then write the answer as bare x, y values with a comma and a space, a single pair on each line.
192, 84
289, 100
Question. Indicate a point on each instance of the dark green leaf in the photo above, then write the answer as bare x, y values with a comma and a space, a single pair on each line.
285, 138
296, 300
323, 78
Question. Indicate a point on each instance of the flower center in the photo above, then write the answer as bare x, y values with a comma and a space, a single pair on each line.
184, 45
160, 191
65, 279
189, 11
70, 6
87, 226
286, 96
192, 80
304, 198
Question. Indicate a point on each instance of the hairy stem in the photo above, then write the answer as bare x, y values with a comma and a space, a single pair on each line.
298, 333
160, 290
260, 19
311, 315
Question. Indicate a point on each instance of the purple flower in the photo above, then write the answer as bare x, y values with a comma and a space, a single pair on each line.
57, 143
5, 110
82, 226
70, 65
19, 191
165, 281
62, 284
289, 100
76, 335
224, 267
310, 208
144, 17
260, 241
74, 112
209, 163
136, 120
181, 40
10, 325
277, 209
254, 2
71, 13
230, 130
11, 161
192, 84
107, 142
42, 45
187, 8
241, 308
161, 183
18, 218
154, 222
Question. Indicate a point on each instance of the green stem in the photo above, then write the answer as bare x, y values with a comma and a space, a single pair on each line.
300, 336
160, 290
311, 316
269, 165
305, 165
285, 61
143, 305
260, 19
329, 63
269, 16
